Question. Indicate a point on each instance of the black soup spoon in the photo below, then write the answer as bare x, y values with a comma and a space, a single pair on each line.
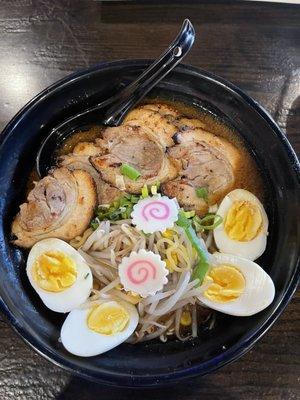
116, 107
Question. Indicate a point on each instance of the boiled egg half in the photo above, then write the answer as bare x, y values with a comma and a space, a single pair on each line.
94, 330
59, 275
244, 228
236, 286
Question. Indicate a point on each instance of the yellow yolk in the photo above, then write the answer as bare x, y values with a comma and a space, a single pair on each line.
108, 318
54, 271
243, 221
225, 282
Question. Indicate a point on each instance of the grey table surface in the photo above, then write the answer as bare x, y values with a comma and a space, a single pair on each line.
254, 45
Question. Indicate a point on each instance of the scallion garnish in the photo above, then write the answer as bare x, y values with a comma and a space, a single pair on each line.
189, 214
121, 208
202, 266
94, 223
202, 192
153, 190
145, 191
209, 222
130, 172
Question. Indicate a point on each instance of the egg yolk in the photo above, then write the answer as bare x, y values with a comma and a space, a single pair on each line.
226, 283
54, 271
243, 221
108, 318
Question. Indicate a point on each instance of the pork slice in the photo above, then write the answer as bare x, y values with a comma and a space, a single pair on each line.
228, 151
157, 120
163, 109
185, 123
132, 145
204, 160
45, 201
87, 149
79, 159
61, 205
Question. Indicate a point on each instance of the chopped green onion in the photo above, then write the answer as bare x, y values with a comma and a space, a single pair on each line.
154, 190
94, 224
86, 275
202, 267
202, 192
145, 192
199, 272
207, 223
211, 221
182, 220
133, 198
119, 209
129, 171
189, 214
157, 184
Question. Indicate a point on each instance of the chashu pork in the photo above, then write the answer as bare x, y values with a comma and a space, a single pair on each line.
134, 146
185, 123
79, 159
163, 109
157, 119
204, 160
61, 205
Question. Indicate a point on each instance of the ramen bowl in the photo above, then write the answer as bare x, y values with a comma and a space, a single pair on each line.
150, 363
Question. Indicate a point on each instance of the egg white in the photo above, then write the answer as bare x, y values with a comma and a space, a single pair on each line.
251, 249
71, 297
259, 290
78, 339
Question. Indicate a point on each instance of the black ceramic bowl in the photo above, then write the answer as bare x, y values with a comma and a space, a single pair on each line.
153, 363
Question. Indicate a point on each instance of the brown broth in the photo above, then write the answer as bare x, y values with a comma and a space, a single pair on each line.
80, 136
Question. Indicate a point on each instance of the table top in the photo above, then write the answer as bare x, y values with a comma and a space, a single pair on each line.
254, 45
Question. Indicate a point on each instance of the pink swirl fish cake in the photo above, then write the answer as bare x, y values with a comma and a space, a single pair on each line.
143, 272
155, 214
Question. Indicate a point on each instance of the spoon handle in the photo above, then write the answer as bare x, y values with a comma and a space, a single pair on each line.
135, 91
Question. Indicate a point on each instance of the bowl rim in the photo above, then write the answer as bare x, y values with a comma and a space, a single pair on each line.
235, 351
